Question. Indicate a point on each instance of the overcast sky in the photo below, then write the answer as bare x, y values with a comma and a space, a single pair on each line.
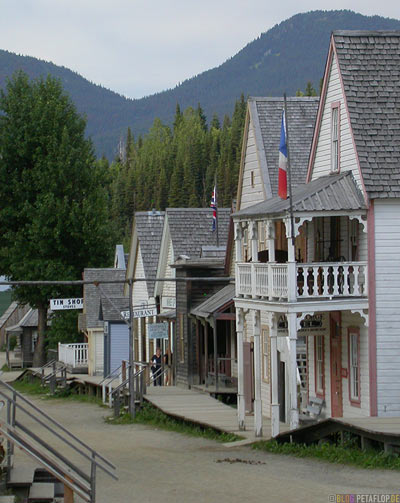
140, 47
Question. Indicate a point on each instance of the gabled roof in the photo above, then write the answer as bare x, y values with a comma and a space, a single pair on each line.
369, 63
266, 116
338, 192
92, 294
110, 308
215, 302
149, 226
191, 229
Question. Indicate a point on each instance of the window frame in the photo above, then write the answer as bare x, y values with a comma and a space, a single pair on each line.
353, 333
335, 137
319, 392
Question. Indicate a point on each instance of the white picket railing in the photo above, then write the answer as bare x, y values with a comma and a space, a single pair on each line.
314, 280
75, 355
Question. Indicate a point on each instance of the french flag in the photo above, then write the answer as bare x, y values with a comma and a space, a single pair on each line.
283, 161
213, 205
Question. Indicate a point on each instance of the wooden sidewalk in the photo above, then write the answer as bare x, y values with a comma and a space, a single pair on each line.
202, 409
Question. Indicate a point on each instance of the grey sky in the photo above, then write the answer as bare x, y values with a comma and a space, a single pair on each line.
138, 47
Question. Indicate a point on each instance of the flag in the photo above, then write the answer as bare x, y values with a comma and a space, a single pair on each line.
213, 205
283, 161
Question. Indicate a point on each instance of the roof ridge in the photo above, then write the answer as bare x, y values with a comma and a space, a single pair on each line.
370, 33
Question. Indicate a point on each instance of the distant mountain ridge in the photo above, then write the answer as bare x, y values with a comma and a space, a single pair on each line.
282, 59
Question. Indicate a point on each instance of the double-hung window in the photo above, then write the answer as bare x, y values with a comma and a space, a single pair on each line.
354, 365
335, 137
319, 366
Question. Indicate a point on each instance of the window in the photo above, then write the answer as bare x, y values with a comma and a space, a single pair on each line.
266, 353
252, 178
319, 366
335, 135
261, 236
354, 365
245, 245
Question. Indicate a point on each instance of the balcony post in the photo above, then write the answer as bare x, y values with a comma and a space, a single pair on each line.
294, 412
238, 253
292, 279
273, 331
257, 375
240, 370
271, 254
254, 254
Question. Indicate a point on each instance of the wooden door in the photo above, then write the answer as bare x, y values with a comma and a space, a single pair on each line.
336, 366
248, 375
281, 390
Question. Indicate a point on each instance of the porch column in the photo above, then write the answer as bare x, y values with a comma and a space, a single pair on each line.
240, 368
291, 271
271, 255
238, 242
257, 375
273, 331
254, 241
294, 412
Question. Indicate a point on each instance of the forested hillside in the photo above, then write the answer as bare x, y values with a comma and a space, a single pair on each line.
177, 166
282, 59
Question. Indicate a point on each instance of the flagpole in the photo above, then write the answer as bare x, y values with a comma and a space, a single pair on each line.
289, 171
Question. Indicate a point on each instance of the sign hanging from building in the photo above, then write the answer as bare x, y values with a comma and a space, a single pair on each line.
140, 313
157, 330
60, 304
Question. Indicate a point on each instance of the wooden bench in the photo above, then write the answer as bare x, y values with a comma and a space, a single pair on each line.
313, 410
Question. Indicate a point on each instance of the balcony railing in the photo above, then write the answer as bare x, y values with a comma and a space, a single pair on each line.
312, 281
75, 355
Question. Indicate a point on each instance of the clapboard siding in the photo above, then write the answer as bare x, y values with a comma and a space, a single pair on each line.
139, 294
387, 270
322, 161
251, 193
98, 338
169, 288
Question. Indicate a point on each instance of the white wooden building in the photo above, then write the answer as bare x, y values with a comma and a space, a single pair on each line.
144, 252
339, 286
257, 183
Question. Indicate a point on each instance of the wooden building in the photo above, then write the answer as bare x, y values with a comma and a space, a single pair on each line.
341, 294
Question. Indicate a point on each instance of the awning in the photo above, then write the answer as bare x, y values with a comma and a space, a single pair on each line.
215, 303
338, 192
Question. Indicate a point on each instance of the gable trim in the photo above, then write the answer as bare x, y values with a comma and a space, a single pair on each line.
349, 118
321, 108
261, 156
243, 156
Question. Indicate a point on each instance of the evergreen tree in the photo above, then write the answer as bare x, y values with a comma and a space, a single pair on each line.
54, 216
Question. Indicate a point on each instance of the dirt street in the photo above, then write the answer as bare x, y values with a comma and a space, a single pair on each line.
169, 467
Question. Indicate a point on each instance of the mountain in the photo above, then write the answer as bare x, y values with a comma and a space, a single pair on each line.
282, 59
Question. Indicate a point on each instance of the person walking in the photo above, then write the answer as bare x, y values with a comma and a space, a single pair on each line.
156, 368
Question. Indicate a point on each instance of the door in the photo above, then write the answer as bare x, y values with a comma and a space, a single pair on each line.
248, 377
281, 389
119, 344
336, 366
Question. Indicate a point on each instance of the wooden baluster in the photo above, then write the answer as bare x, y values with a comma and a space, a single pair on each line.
325, 288
356, 291
317, 281
346, 280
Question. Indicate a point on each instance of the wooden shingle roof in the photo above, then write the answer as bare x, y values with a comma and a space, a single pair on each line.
369, 63
266, 116
191, 229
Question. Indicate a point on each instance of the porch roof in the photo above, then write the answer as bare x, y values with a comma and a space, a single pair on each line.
215, 302
338, 192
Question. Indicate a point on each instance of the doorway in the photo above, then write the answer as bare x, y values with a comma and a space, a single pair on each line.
336, 365
248, 375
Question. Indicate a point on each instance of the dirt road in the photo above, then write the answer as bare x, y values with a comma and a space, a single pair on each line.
155, 465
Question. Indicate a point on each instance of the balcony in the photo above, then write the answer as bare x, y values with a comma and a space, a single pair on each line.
326, 280
73, 355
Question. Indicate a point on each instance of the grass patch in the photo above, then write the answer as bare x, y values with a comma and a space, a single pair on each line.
5, 368
34, 387
347, 454
150, 415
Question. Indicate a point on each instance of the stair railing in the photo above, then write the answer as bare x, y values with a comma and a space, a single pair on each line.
74, 478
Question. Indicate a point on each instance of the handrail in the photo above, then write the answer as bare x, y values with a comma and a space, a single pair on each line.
124, 383
158, 374
51, 465
58, 425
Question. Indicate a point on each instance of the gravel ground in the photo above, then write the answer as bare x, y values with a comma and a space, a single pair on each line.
157, 465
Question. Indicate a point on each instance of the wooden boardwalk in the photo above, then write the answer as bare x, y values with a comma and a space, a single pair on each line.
204, 410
